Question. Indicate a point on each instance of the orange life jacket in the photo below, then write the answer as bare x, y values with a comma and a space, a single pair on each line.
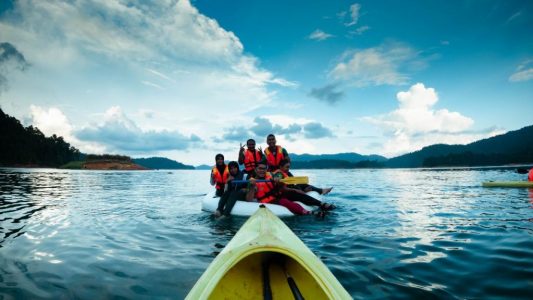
250, 160
265, 190
220, 179
273, 161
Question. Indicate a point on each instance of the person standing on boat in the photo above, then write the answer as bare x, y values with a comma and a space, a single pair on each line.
232, 191
274, 153
250, 156
271, 191
219, 175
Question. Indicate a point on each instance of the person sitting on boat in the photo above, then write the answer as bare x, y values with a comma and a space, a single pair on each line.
219, 174
250, 156
271, 191
298, 192
232, 191
284, 172
274, 153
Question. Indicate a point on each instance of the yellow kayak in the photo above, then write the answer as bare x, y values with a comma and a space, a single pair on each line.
266, 260
512, 184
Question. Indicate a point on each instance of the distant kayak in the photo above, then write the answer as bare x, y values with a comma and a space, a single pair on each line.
246, 209
509, 184
266, 260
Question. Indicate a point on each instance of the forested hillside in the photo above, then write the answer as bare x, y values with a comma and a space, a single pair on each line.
27, 146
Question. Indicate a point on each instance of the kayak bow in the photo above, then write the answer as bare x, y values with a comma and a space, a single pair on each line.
266, 259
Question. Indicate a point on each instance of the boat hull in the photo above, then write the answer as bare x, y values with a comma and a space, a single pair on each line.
509, 184
246, 209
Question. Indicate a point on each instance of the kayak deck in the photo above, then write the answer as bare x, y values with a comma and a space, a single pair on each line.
510, 184
253, 276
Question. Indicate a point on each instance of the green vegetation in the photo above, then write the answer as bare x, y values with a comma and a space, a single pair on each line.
74, 165
513, 147
27, 146
161, 163
107, 157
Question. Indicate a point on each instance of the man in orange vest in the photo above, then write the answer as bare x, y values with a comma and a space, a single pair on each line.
250, 157
274, 153
219, 174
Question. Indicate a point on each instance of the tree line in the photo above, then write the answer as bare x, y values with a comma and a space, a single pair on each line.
27, 146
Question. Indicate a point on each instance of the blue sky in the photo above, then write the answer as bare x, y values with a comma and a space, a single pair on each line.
187, 80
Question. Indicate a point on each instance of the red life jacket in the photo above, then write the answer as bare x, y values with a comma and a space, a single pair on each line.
273, 161
530, 176
265, 190
220, 179
250, 160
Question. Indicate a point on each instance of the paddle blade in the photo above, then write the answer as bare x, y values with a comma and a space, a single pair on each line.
296, 180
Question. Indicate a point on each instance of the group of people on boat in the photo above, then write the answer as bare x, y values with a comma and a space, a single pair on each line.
263, 172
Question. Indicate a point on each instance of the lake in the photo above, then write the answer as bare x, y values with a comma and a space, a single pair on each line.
397, 233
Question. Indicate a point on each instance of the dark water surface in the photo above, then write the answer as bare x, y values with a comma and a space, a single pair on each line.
141, 235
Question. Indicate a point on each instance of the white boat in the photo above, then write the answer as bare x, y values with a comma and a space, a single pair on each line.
245, 208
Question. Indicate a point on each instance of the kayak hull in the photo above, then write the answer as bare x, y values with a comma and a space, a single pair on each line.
246, 209
509, 184
259, 259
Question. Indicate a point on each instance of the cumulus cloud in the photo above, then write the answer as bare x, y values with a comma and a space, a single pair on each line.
10, 59
315, 130
415, 124
524, 72
319, 35
328, 94
383, 65
165, 47
119, 133
284, 126
53, 121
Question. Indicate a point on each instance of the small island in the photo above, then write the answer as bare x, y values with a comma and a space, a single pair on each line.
104, 162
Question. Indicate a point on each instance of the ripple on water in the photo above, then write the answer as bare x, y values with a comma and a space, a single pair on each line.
141, 235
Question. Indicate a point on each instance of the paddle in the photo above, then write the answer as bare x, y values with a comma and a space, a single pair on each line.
288, 180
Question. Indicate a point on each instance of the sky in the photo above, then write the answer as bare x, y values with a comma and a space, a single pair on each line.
189, 79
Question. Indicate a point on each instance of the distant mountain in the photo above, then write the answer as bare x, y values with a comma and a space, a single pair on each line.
161, 163
203, 167
513, 147
335, 164
348, 157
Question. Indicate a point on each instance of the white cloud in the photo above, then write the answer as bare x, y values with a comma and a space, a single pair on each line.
415, 124
376, 66
53, 121
319, 35
360, 30
119, 133
524, 72
164, 56
354, 14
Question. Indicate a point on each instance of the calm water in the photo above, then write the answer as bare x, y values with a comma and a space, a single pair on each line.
141, 235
